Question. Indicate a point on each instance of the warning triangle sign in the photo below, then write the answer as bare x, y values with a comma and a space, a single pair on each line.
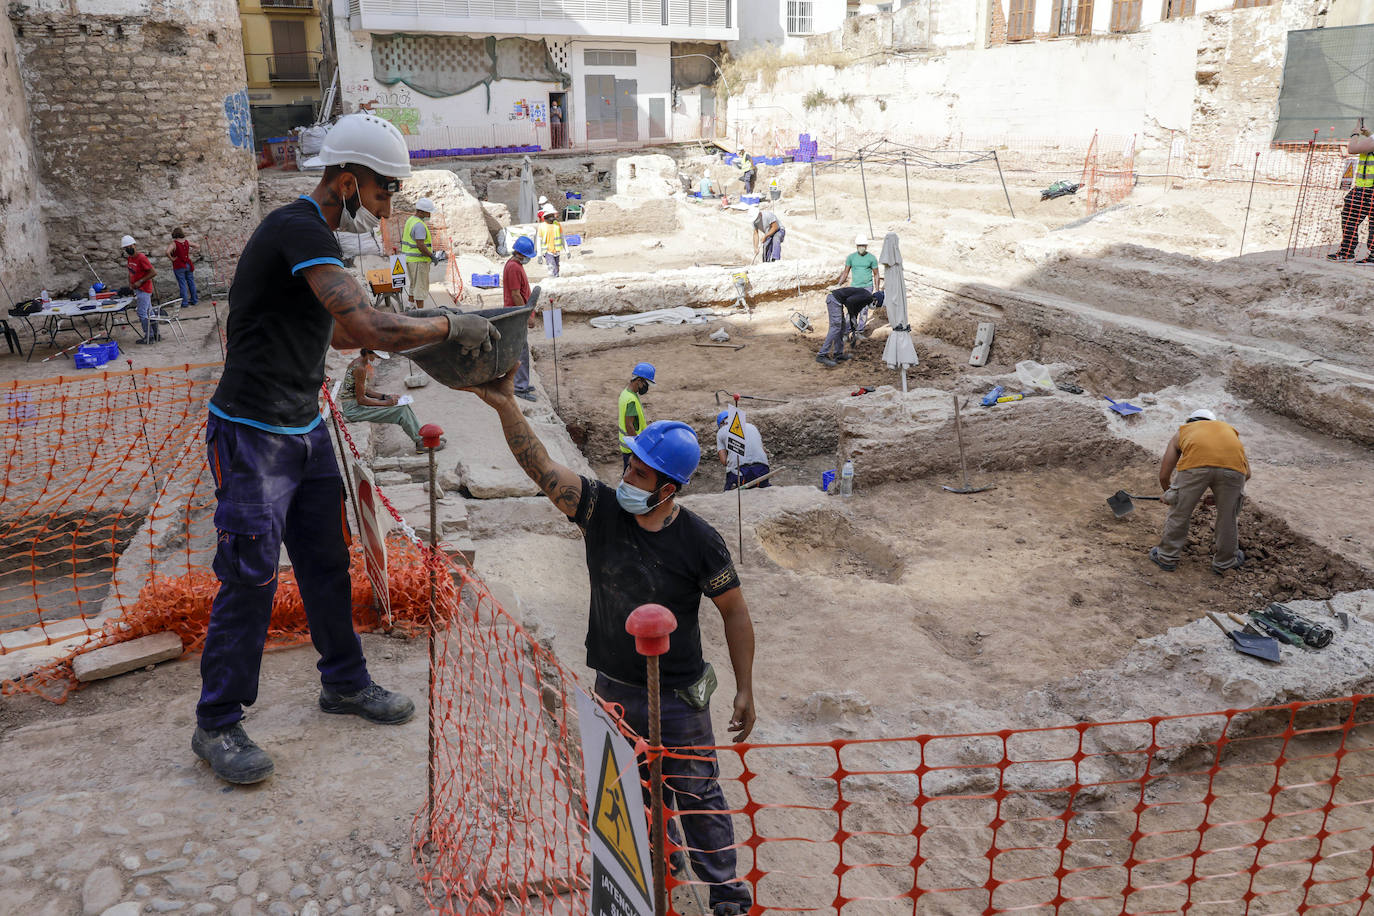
736, 427
611, 820
397, 267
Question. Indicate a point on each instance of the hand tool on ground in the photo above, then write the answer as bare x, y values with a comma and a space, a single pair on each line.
1121, 504
801, 323
1313, 634
963, 463
1008, 398
1268, 628
862, 390
749, 397
721, 346
1122, 407
1265, 647
758, 480
1070, 387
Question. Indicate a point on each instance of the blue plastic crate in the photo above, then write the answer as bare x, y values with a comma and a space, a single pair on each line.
486, 281
571, 195
574, 239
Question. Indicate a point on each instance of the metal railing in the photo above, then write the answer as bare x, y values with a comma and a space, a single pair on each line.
287, 4
293, 68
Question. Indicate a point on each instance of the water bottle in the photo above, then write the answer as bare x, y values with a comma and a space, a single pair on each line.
44, 296
847, 479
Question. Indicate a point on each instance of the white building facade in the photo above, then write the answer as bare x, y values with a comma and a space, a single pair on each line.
786, 24
484, 75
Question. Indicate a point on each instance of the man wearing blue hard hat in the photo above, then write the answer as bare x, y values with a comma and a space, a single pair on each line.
643, 548
516, 294
629, 414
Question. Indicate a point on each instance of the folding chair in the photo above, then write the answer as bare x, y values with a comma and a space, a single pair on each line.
166, 313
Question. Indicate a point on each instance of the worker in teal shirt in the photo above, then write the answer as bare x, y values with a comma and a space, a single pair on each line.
861, 270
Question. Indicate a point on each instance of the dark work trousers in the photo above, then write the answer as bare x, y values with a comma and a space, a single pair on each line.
834, 337
1357, 207
274, 488
772, 248
691, 787
751, 472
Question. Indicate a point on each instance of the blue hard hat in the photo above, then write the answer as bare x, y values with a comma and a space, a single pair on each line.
722, 417
669, 447
644, 371
524, 245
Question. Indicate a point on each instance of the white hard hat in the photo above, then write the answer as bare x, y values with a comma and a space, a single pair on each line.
364, 139
424, 205
126, 242
543, 200
753, 213
548, 210
1202, 413
860, 240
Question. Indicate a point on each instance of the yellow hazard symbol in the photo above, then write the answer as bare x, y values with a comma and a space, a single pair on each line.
397, 267
611, 820
736, 427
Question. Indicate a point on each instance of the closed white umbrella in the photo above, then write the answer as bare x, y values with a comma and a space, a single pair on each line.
900, 352
525, 202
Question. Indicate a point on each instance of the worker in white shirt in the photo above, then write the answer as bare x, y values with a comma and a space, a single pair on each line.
755, 460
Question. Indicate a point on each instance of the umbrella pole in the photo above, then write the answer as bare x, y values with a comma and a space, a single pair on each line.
998, 163
906, 177
904, 380
864, 181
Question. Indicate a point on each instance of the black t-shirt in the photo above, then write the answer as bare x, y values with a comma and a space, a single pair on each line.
629, 566
278, 332
853, 298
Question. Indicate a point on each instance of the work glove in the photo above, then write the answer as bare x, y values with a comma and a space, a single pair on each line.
471, 332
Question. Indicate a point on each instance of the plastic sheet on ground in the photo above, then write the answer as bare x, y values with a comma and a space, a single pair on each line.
681, 315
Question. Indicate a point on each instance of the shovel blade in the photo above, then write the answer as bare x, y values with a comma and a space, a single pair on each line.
1265, 647
1121, 504
966, 489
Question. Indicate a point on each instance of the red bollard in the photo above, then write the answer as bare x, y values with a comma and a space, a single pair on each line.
650, 625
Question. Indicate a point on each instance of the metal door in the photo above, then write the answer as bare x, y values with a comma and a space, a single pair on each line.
657, 118
627, 110
601, 111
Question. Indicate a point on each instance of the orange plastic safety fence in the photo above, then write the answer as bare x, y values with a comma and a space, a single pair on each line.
1333, 214
100, 495
1243, 811
439, 235
507, 831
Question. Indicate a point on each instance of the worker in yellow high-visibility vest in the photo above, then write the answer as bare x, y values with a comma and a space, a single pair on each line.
418, 250
629, 414
1359, 203
550, 237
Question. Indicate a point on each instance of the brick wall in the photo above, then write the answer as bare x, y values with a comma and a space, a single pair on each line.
997, 23
140, 123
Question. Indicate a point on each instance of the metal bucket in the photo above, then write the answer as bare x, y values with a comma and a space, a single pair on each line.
448, 364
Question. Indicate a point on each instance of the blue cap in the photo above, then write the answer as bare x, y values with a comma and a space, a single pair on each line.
722, 417
524, 245
644, 371
669, 447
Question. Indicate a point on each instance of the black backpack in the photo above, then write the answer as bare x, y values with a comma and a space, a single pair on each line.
27, 307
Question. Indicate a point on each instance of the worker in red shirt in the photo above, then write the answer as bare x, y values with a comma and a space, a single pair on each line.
179, 251
516, 293
141, 273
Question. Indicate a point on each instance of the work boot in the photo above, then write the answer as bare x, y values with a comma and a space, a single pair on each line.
1240, 561
1159, 561
527, 394
373, 703
1337, 256
841, 357
232, 754
827, 362
1368, 260
727, 909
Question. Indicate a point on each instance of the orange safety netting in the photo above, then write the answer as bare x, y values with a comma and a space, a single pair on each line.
1331, 215
1257, 810
102, 494
453, 274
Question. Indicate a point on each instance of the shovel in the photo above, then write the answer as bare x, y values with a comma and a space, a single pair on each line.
1265, 647
1122, 407
963, 464
1121, 503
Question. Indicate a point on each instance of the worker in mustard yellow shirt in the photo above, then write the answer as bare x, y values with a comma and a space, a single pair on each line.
1205, 454
550, 236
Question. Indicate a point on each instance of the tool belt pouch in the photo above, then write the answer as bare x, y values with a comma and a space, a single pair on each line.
698, 694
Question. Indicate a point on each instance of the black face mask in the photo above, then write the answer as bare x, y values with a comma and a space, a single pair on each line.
128, 252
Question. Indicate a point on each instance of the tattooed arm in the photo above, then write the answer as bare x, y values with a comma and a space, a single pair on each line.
561, 485
358, 324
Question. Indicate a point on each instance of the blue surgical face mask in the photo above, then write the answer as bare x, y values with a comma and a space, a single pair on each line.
634, 500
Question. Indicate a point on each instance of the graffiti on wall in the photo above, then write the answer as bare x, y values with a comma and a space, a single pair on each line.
407, 119
240, 122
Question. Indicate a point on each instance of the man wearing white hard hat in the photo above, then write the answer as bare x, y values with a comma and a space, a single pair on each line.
141, 273
418, 250
1205, 454
768, 233
861, 270
276, 480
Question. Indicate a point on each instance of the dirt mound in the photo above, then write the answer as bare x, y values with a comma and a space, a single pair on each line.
824, 542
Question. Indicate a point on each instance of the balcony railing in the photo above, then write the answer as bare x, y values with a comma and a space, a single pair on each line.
293, 68
588, 14
287, 4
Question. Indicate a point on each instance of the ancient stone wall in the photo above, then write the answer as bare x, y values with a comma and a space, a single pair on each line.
139, 116
23, 240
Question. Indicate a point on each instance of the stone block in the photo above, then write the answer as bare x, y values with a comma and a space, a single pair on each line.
126, 656
505, 192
